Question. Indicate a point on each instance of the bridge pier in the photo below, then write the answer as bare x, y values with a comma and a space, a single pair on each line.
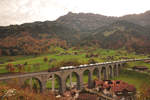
63, 85
53, 82
112, 72
99, 74
107, 73
117, 71
81, 81
30, 83
90, 79
70, 77
43, 86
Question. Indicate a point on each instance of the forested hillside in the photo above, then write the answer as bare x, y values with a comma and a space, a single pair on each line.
131, 32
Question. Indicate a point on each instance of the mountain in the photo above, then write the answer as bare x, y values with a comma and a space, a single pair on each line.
142, 19
85, 22
89, 21
33, 38
37, 29
120, 34
131, 32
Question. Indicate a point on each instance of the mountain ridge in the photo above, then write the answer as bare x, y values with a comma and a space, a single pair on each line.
81, 29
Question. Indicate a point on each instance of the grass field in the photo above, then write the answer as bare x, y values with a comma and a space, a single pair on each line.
135, 78
36, 63
138, 63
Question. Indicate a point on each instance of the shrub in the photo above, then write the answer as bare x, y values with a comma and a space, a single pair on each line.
52, 60
24, 94
69, 62
75, 53
87, 55
45, 59
26, 63
20, 67
143, 93
91, 55
92, 61
10, 67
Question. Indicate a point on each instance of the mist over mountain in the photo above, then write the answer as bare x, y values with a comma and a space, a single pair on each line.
120, 34
141, 19
131, 32
89, 21
85, 21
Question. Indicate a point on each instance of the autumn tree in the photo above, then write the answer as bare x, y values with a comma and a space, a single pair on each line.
21, 67
10, 67
144, 92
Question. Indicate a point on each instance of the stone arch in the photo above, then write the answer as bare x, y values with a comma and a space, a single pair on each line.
87, 77
39, 83
96, 73
110, 71
34, 83
103, 73
50, 82
72, 80
58, 82
54, 83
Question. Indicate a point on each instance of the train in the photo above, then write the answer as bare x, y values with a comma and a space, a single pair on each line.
60, 68
85, 65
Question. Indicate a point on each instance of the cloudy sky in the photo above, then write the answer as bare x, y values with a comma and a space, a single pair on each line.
21, 11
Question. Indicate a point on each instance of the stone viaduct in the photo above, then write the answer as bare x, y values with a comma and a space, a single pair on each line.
105, 70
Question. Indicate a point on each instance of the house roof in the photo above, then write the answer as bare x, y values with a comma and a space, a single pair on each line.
116, 85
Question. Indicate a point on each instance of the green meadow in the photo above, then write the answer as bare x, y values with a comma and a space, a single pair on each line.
36, 63
135, 78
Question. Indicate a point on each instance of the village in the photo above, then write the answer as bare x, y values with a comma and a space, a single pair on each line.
101, 90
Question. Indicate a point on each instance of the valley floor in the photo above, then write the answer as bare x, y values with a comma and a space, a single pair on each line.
58, 57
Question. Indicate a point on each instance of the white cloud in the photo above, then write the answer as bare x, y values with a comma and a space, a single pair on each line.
20, 11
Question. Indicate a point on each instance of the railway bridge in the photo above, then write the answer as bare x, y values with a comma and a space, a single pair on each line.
104, 71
